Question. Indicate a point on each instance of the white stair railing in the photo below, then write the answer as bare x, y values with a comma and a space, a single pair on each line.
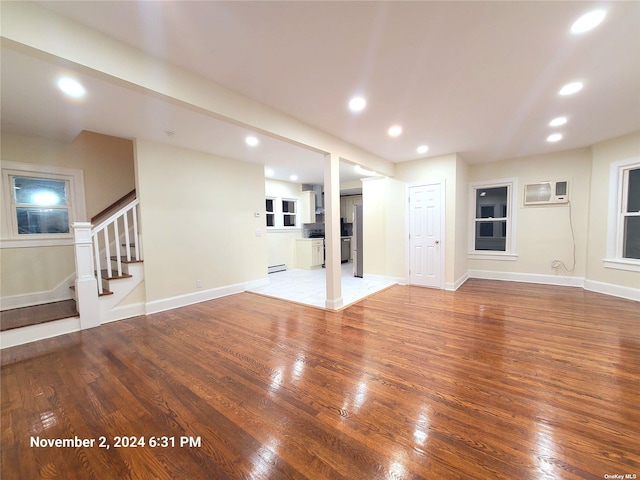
106, 236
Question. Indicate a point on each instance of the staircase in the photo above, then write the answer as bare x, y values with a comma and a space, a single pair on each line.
108, 266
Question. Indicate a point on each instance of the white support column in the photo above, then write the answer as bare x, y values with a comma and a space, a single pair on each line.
86, 283
332, 231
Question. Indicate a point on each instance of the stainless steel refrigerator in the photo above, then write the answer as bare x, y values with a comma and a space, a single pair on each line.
357, 238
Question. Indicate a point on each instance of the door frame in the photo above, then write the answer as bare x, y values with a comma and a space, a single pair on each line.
443, 209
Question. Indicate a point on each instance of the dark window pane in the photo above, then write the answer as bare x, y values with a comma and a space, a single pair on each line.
491, 236
631, 247
270, 220
40, 191
288, 206
269, 205
289, 220
633, 198
491, 197
42, 220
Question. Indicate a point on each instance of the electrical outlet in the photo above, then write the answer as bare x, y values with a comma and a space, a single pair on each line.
198, 284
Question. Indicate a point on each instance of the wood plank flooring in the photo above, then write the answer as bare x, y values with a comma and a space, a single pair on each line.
48, 312
496, 380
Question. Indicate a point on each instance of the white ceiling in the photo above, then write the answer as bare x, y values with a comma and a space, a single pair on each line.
477, 78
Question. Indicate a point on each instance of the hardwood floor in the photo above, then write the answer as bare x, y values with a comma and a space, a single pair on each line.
497, 380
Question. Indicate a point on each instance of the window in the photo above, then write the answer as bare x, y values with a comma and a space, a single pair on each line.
493, 210
623, 242
281, 212
631, 214
289, 213
41, 204
271, 212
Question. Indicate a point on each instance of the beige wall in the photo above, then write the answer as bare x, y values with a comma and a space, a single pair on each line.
383, 211
281, 248
107, 165
431, 170
461, 240
543, 233
604, 154
25, 271
198, 212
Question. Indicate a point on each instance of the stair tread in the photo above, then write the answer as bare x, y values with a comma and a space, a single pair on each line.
124, 260
104, 291
114, 275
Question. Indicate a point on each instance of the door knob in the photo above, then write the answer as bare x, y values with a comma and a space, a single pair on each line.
437, 242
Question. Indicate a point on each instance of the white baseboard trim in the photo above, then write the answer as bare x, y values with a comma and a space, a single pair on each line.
33, 333
124, 312
334, 304
527, 277
170, 303
452, 287
57, 294
614, 290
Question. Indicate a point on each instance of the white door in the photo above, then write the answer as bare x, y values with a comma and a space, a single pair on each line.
425, 248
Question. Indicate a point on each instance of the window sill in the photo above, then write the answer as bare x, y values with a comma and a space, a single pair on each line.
283, 229
511, 257
629, 265
36, 242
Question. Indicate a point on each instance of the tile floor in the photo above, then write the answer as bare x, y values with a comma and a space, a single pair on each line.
308, 286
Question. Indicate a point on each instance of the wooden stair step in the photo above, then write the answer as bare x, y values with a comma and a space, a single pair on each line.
124, 260
114, 275
104, 291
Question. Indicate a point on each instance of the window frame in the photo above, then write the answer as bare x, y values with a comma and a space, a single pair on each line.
75, 197
510, 253
279, 214
618, 173
270, 212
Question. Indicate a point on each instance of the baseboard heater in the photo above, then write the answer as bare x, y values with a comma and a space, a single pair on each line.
276, 268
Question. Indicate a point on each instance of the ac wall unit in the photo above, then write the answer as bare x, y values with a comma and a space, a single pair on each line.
546, 193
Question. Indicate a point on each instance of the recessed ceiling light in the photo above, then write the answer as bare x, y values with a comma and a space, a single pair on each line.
171, 133
588, 21
423, 149
357, 104
570, 88
251, 141
556, 122
293, 178
269, 172
71, 87
395, 131
554, 137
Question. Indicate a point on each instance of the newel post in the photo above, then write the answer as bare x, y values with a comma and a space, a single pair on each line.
86, 283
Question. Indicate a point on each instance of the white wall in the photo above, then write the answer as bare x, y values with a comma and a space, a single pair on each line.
437, 169
383, 227
544, 232
198, 213
281, 248
604, 154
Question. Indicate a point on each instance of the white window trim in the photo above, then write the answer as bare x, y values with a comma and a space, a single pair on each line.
510, 253
77, 209
615, 225
274, 200
279, 214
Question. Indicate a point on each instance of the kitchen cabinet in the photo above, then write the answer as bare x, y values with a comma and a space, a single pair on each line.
308, 200
309, 253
